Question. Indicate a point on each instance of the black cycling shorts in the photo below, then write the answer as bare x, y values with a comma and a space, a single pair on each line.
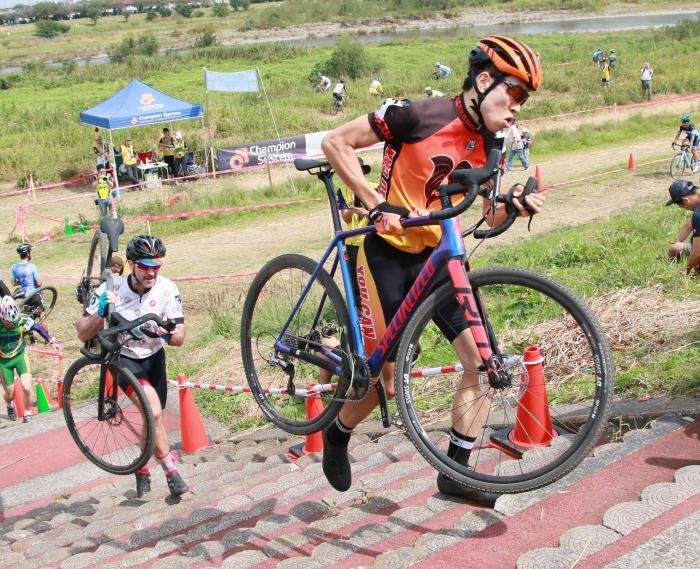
150, 369
385, 275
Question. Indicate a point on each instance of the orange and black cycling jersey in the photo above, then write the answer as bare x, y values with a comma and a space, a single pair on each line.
425, 141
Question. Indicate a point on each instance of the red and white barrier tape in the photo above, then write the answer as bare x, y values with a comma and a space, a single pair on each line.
316, 390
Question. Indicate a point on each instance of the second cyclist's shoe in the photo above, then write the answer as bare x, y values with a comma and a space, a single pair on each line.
176, 484
26, 418
336, 465
11, 413
451, 488
143, 484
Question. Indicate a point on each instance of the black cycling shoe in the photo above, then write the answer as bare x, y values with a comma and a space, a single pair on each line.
143, 484
451, 488
11, 413
336, 465
176, 484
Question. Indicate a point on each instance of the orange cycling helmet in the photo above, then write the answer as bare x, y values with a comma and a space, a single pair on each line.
513, 57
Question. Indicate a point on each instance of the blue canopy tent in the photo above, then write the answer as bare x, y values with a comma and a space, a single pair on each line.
135, 105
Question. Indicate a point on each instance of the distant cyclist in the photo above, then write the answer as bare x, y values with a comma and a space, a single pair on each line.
433, 93
340, 92
13, 357
144, 291
441, 71
376, 87
692, 138
323, 84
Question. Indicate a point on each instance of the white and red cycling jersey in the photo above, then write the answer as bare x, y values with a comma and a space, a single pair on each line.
163, 300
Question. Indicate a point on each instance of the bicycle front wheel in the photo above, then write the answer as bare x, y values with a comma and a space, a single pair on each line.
120, 439
530, 428
678, 164
319, 321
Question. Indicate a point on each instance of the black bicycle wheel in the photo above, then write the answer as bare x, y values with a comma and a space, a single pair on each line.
40, 302
678, 164
320, 320
121, 442
94, 271
534, 427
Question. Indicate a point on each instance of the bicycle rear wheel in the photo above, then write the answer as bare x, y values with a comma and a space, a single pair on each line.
516, 449
122, 441
97, 261
678, 164
40, 302
320, 320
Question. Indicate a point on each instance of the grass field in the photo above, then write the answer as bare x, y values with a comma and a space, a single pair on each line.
40, 110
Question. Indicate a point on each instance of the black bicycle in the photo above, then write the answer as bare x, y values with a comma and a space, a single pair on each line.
106, 409
38, 304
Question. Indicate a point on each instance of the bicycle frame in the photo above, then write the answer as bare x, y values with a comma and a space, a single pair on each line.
450, 252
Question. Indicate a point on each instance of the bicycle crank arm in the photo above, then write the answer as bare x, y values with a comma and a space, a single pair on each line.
383, 406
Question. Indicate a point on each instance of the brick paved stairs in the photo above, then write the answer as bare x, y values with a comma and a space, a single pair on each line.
250, 507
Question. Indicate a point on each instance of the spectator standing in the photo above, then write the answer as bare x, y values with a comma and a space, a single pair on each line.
104, 186
605, 73
167, 148
180, 152
646, 73
515, 146
129, 158
612, 60
117, 266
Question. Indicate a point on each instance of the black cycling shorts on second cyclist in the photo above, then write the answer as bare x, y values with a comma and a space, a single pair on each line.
386, 274
150, 369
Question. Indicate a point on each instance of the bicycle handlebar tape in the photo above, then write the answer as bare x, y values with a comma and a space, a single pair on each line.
313, 443
533, 424
194, 436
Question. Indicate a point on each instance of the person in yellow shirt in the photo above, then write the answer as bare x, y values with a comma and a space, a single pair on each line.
129, 159
104, 186
180, 150
167, 147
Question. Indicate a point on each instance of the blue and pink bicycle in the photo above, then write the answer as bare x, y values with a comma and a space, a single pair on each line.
536, 397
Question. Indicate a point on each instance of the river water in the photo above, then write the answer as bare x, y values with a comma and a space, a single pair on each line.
593, 24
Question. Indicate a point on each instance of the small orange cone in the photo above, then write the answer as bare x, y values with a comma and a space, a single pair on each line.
19, 399
538, 175
194, 436
630, 162
533, 424
314, 441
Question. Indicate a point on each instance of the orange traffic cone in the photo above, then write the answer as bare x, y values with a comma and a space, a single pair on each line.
538, 175
19, 399
630, 162
194, 436
533, 425
314, 441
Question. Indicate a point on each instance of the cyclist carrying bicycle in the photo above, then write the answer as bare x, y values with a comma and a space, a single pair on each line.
424, 141
14, 327
141, 292
26, 276
692, 138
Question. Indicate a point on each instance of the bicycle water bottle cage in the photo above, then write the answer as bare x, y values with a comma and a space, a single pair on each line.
113, 228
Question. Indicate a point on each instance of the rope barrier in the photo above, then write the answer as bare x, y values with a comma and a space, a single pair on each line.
317, 389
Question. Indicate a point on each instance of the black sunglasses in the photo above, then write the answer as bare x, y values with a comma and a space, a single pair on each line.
519, 93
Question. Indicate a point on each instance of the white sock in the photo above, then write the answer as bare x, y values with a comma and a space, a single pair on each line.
167, 463
27, 413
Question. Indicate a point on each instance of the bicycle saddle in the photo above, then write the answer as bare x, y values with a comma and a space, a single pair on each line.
113, 228
306, 164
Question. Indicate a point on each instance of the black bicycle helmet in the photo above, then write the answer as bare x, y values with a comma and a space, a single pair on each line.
145, 247
24, 248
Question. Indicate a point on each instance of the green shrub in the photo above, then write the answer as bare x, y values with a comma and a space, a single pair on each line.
198, 14
206, 39
151, 15
144, 45
349, 59
50, 29
220, 10
242, 4
164, 12
184, 10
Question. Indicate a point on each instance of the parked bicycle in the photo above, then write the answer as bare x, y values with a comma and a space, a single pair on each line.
301, 341
682, 160
106, 410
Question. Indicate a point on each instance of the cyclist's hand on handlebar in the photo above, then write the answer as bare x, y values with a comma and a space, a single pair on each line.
530, 204
105, 299
387, 218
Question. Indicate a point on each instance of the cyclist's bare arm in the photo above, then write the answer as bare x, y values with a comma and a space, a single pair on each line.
339, 147
177, 337
88, 326
685, 231
694, 257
